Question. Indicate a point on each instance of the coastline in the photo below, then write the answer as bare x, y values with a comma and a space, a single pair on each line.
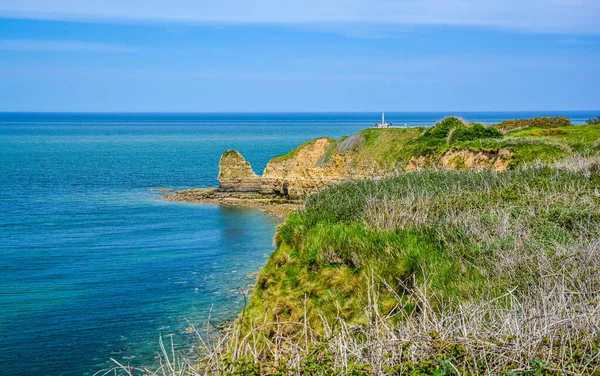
312, 281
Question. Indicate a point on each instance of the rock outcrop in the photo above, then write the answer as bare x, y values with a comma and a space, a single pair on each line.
299, 175
477, 159
294, 175
312, 166
368, 154
236, 174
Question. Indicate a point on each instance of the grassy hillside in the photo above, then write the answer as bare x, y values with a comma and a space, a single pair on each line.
392, 149
515, 245
451, 229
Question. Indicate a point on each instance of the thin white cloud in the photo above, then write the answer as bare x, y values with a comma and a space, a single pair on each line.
59, 46
563, 16
579, 42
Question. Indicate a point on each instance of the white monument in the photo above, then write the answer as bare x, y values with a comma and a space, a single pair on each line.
383, 124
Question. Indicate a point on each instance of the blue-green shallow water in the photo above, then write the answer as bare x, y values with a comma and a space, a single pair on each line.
95, 265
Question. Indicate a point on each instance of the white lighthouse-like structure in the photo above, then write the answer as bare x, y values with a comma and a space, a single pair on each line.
383, 124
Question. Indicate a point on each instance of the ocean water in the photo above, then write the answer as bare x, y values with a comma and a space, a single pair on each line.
94, 264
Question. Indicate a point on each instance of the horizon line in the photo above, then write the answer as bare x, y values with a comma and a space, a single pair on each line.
281, 112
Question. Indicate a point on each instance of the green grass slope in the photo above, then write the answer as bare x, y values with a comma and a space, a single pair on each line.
392, 149
451, 229
439, 272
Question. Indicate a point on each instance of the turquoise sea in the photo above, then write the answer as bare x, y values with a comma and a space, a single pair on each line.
94, 264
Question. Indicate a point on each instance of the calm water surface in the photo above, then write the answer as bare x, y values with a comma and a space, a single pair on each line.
94, 265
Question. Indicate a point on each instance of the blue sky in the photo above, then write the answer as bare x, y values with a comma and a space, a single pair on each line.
266, 55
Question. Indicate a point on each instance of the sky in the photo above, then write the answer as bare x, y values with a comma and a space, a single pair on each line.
299, 56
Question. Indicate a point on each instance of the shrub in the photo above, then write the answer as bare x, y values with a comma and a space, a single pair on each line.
538, 122
474, 132
548, 132
443, 127
455, 129
593, 121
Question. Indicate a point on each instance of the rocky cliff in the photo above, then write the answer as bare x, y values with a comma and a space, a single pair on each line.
323, 162
293, 175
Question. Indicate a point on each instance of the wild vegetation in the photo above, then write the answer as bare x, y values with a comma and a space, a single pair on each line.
293, 152
594, 120
530, 140
538, 122
475, 131
498, 248
431, 272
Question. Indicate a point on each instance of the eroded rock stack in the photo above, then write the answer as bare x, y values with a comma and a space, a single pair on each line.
236, 174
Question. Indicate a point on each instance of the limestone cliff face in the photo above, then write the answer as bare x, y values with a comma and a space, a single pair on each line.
298, 175
315, 165
236, 174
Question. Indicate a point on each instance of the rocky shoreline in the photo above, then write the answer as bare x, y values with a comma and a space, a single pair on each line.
271, 204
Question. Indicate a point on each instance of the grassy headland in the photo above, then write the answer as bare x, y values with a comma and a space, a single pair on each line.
529, 140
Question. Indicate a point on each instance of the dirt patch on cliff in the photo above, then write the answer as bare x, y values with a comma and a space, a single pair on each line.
467, 159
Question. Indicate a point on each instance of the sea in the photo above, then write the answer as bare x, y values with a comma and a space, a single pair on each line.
95, 264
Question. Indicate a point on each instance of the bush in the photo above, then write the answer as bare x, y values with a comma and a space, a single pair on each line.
474, 132
455, 129
538, 122
593, 121
548, 132
443, 127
